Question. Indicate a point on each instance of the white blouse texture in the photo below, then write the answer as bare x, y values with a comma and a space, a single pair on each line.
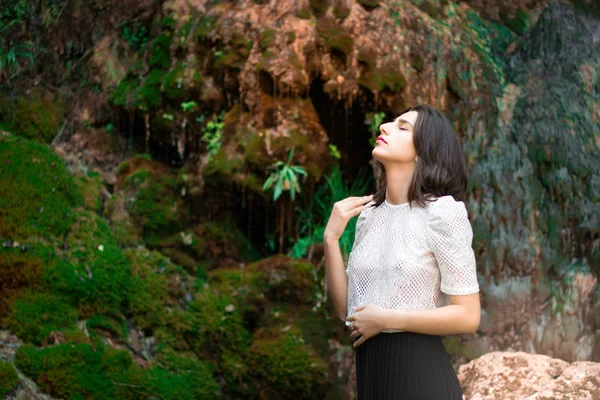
411, 259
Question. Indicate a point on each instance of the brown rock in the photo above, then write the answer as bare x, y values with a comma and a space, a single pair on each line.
520, 375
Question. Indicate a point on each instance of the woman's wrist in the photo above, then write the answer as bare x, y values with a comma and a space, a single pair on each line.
392, 319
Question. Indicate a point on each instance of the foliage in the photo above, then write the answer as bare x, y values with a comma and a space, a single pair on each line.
374, 121
284, 177
9, 58
135, 34
314, 217
212, 133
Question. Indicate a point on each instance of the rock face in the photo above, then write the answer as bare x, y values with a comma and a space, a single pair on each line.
520, 375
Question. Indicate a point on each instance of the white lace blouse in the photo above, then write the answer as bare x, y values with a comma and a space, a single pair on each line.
411, 259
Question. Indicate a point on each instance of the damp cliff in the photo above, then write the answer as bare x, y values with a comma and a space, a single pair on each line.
139, 235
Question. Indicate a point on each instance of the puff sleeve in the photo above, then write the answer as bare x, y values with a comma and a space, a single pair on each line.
450, 238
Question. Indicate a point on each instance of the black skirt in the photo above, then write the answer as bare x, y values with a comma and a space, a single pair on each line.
405, 365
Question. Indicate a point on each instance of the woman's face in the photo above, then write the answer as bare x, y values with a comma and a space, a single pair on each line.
397, 144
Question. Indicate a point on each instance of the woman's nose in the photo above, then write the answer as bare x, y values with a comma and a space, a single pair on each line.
382, 129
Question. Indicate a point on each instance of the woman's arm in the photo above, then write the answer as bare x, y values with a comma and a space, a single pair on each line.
337, 280
461, 316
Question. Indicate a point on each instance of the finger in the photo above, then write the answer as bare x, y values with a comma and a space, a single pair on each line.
350, 318
359, 308
355, 334
360, 341
353, 202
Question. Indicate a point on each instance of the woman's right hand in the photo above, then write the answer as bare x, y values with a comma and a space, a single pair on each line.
341, 213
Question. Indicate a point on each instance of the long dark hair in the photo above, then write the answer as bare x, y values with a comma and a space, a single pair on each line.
441, 168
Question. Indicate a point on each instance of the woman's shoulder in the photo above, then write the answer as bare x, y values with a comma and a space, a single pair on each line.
444, 208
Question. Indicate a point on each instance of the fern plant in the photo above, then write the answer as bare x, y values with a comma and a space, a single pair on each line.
284, 177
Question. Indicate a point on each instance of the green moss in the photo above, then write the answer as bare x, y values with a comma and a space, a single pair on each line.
367, 58
516, 20
194, 381
105, 323
206, 26
9, 380
335, 36
157, 208
93, 271
341, 12
380, 80
18, 270
303, 13
172, 84
318, 7
266, 38
290, 36
35, 314
265, 61
285, 279
91, 371
284, 366
90, 186
124, 231
37, 117
218, 324
37, 192
235, 53
135, 179
157, 284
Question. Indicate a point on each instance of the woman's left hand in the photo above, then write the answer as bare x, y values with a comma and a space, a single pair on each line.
367, 321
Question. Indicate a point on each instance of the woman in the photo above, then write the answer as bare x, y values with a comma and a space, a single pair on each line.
411, 275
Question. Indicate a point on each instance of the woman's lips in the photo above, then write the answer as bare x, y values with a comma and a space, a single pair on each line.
381, 139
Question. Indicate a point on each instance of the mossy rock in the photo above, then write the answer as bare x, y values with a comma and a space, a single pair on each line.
284, 366
37, 192
336, 37
36, 117
122, 226
93, 371
155, 206
288, 280
195, 376
93, 269
90, 186
245, 288
383, 80
340, 10
35, 314
235, 53
100, 324
205, 28
218, 326
206, 244
312, 322
266, 38
318, 7
157, 286
303, 13
18, 270
9, 380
